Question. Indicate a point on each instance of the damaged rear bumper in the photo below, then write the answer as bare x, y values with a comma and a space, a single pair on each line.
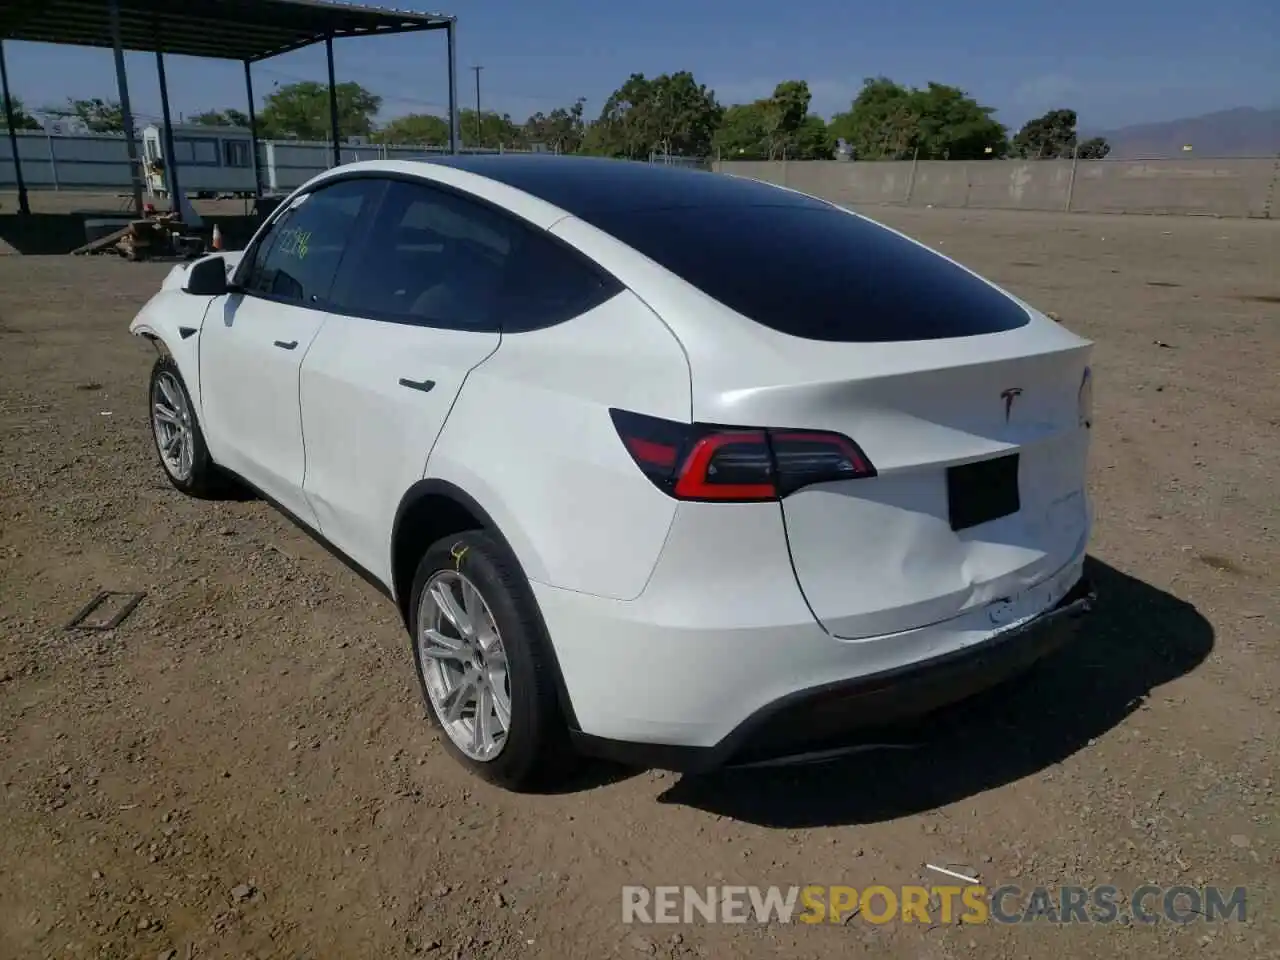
819, 719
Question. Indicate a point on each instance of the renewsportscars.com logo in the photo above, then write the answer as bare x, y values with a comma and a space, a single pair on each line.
972, 903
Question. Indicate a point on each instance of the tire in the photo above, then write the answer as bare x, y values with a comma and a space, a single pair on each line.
202, 478
534, 753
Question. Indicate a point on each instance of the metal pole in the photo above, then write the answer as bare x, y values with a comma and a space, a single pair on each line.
479, 127
23, 206
911, 180
170, 154
1271, 189
126, 112
333, 104
452, 34
53, 162
1071, 184
253, 132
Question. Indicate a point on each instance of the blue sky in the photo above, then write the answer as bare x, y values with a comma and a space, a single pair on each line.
1115, 61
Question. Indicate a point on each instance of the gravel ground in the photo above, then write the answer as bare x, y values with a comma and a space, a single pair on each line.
242, 769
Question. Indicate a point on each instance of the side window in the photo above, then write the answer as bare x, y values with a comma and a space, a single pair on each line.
249, 274
297, 261
235, 153
437, 259
546, 283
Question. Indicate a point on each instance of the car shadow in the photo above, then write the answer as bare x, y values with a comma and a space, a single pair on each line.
590, 773
235, 490
1137, 638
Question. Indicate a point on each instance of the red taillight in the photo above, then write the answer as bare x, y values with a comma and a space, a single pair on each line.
647, 451
727, 466
736, 464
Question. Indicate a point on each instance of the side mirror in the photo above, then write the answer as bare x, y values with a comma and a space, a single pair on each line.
207, 278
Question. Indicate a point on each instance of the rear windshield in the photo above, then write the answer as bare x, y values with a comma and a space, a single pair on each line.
813, 271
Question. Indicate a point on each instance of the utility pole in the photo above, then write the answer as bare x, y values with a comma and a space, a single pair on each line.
477, 70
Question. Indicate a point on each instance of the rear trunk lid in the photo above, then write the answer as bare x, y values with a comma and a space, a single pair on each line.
980, 454
979, 492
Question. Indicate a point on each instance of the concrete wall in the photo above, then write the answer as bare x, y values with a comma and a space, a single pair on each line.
1245, 187
1229, 187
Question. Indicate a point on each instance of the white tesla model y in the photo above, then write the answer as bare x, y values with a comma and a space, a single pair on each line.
677, 468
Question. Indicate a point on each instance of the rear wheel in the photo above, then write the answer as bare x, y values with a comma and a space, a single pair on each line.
481, 655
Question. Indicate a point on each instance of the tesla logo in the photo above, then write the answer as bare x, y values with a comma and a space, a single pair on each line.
1009, 396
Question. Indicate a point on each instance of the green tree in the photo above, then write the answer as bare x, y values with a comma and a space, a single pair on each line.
221, 118
561, 130
494, 130
671, 113
97, 115
412, 128
776, 127
954, 126
883, 122
301, 110
741, 134
813, 140
21, 119
793, 131
1047, 137
1095, 148
888, 121
1053, 136
784, 114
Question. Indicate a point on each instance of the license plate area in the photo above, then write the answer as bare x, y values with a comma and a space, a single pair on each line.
980, 492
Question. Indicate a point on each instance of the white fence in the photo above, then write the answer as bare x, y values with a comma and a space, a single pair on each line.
87, 162
101, 162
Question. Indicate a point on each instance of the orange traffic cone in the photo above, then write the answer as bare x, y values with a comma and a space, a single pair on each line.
217, 238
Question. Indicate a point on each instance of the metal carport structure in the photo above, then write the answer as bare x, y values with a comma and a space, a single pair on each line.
244, 30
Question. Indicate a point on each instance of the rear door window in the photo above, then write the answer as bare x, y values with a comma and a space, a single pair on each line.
810, 270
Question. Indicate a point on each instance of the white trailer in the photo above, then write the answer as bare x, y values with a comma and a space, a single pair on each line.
212, 161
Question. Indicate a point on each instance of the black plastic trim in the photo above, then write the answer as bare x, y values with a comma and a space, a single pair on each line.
870, 701
319, 538
426, 386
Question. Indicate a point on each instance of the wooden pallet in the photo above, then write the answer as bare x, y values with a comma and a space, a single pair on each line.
102, 243
141, 237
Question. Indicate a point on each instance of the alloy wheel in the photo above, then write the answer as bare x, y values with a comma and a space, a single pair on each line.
173, 425
464, 665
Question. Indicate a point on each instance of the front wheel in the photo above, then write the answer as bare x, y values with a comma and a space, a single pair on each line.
482, 659
176, 431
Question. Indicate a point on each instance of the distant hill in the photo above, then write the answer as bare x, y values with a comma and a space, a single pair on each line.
1242, 132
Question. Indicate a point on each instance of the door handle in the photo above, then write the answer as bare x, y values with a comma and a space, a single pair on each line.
286, 344
424, 385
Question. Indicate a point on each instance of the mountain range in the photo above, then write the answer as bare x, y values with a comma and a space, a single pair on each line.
1241, 132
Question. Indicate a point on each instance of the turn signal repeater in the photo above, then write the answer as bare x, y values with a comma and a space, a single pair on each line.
703, 462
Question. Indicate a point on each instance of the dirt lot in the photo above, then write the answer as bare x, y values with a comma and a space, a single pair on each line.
68, 201
242, 768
